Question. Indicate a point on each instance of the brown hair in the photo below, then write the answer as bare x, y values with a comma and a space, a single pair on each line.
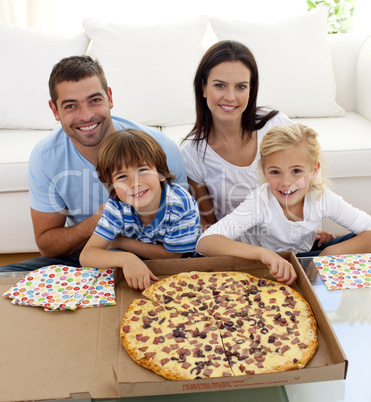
252, 117
130, 148
75, 68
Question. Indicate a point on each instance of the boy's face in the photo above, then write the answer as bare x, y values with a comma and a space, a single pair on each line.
289, 174
138, 186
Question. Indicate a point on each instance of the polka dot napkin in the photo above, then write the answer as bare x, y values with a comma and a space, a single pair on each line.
351, 271
59, 287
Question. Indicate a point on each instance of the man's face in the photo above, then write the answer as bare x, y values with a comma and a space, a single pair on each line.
83, 108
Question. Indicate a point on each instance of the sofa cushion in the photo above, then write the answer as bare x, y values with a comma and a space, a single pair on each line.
150, 68
15, 151
294, 60
345, 143
363, 81
27, 58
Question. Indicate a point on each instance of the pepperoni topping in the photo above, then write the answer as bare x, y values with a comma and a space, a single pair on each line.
208, 324
166, 349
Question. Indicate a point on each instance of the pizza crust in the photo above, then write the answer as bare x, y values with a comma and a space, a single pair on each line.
218, 324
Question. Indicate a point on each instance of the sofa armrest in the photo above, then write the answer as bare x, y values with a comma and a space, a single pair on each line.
363, 79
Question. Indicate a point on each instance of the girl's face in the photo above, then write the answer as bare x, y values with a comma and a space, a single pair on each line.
289, 175
227, 90
139, 186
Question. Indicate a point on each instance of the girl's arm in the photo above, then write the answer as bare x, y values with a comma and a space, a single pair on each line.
214, 245
149, 251
359, 244
201, 194
136, 272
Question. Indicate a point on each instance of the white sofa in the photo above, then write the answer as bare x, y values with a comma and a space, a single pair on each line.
321, 80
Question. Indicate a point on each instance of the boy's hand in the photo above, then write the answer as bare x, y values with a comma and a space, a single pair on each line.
323, 237
137, 274
280, 268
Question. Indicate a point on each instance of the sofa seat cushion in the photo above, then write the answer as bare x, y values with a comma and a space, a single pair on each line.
345, 142
15, 150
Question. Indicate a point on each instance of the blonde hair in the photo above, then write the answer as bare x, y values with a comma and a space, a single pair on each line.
282, 138
130, 148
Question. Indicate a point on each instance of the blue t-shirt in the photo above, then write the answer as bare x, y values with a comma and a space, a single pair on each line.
176, 225
59, 177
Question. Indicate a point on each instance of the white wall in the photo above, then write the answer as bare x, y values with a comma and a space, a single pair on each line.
66, 15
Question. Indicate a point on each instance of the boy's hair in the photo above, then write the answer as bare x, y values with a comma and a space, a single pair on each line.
75, 68
130, 148
282, 138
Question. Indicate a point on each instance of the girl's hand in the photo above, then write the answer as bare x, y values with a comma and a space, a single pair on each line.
137, 274
323, 237
280, 268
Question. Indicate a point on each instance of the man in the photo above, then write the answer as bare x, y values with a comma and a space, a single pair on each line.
66, 195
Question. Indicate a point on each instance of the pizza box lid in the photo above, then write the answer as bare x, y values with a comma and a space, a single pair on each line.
78, 354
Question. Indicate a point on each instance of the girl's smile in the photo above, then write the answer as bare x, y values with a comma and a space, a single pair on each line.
289, 175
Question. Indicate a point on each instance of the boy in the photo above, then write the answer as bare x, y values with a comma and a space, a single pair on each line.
154, 217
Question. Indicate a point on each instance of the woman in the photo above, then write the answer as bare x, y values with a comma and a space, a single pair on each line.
221, 150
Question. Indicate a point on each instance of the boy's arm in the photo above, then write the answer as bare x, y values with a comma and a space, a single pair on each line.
280, 268
148, 251
136, 272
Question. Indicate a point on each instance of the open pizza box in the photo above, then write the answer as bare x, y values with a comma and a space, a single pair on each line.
78, 354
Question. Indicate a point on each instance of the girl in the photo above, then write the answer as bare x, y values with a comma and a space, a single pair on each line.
153, 217
283, 214
221, 150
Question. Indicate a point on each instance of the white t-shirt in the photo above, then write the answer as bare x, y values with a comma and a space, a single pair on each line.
260, 221
228, 185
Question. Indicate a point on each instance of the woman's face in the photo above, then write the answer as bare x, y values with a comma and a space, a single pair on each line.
227, 91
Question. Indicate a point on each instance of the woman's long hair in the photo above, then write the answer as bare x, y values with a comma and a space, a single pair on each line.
252, 118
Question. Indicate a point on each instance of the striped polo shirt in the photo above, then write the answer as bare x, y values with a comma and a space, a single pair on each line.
176, 225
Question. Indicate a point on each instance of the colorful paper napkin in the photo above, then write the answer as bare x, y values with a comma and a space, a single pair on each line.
350, 271
101, 292
60, 287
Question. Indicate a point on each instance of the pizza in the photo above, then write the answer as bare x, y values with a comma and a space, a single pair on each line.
219, 324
